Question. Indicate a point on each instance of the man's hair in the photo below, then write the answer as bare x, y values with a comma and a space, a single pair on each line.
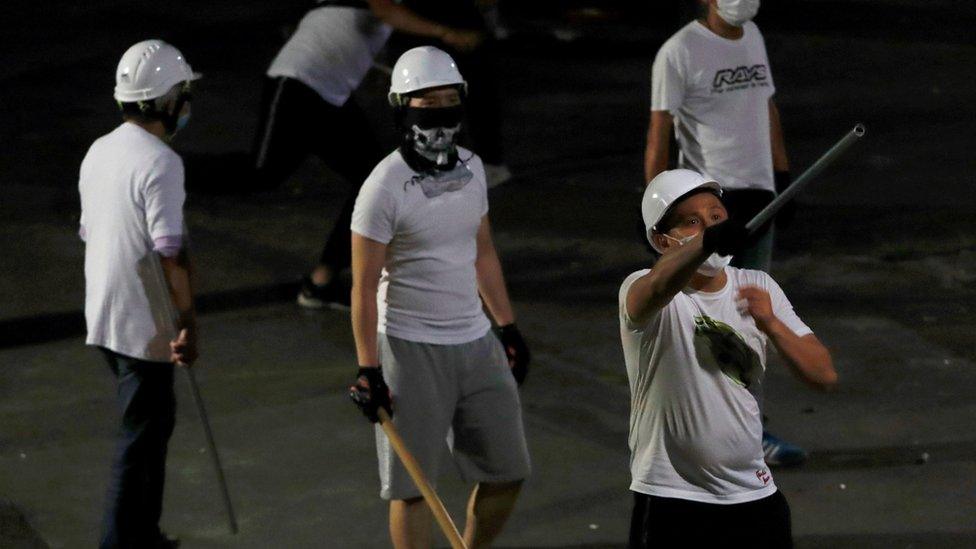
151, 109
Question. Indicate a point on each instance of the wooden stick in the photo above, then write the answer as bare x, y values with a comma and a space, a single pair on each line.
417, 474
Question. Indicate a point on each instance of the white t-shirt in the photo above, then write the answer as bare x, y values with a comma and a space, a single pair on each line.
428, 289
695, 425
332, 50
131, 186
718, 92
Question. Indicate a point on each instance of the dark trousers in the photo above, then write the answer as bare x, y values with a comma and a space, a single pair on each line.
135, 490
670, 522
295, 123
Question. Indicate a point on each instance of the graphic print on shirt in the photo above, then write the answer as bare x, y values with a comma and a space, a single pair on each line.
740, 78
728, 349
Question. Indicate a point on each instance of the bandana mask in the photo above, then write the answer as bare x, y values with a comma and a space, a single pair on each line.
713, 265
432, 134
737, 12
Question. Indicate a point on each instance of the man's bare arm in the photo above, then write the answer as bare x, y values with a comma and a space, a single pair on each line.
670, 274
491, 281
781, 162
368, 258
658, 144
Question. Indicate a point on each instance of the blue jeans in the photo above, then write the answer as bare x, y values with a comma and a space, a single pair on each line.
147, 404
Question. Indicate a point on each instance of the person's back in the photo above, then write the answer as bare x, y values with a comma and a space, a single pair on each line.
131, 186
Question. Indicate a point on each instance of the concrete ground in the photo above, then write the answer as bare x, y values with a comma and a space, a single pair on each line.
879, 262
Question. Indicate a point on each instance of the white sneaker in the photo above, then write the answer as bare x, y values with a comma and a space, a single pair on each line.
497, 174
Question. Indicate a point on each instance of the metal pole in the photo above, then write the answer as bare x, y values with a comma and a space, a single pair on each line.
195, 390
813, 171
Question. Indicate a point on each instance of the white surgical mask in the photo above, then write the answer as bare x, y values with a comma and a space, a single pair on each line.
737, 12
713, 265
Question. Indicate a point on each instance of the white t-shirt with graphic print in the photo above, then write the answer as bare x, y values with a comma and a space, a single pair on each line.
695, 426
718, 92
428, 289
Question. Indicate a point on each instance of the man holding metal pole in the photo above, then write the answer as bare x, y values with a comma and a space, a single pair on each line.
136, 271
422, 254
695, 333
711, 82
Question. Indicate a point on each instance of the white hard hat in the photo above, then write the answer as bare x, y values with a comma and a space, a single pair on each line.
148, 70
664, 190
422, 68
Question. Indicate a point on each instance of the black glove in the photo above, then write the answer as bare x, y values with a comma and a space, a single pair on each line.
371, 393
726, 238
516, 350
786, 214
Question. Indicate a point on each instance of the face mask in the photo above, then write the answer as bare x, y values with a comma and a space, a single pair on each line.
713, 265
432, 134
737, 12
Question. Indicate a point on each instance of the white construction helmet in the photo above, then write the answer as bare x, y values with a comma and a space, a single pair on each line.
148, 70
422, 68
664, 190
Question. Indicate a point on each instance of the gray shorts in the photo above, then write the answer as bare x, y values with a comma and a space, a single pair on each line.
460, 398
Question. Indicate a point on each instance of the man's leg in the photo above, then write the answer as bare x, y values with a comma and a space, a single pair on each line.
410, 523
488, 509
351, 149
424, 396
147, 406
283, 138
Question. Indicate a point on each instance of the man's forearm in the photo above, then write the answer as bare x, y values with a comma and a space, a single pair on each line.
658, 144
670, 274
491, 285
405, 20
781, 162
364, 322
806, 355
178, 272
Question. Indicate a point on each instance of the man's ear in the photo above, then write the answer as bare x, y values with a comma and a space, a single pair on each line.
661, 241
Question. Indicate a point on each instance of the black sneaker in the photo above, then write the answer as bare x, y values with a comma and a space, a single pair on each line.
334, 295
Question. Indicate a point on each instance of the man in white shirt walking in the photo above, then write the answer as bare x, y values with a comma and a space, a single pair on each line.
695, 333
422, 253
138, 297
712, 83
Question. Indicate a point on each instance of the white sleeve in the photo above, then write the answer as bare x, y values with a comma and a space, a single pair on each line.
667, 81
164, 196
769, 69
478, 167
374, 215
625, 319
783, 309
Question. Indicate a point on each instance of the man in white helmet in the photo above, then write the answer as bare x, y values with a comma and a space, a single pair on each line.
695, 332
712, 83
138, 296
308, 109
422, 252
